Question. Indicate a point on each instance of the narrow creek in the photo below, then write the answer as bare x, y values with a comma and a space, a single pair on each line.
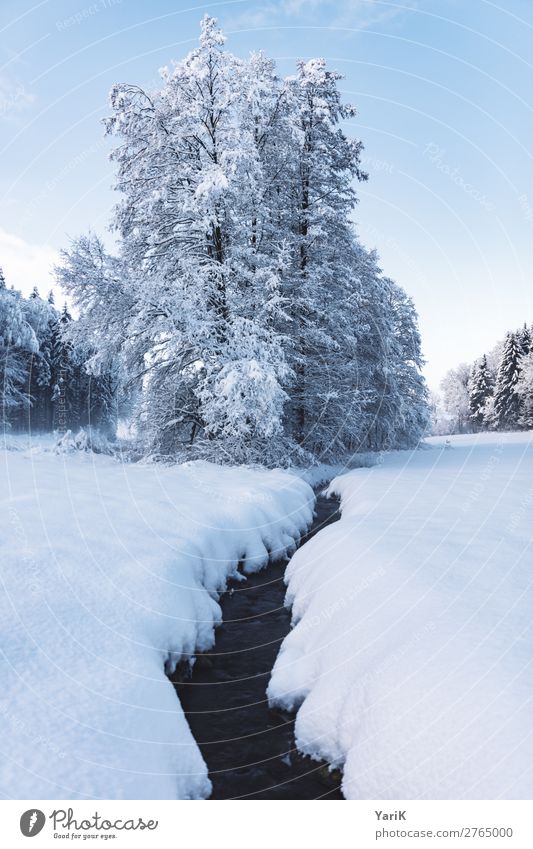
249, 749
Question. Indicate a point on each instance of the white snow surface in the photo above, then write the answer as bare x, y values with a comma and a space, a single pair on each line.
108, 572
411, 656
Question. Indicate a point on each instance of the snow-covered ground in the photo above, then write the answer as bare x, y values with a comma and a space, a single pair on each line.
107, 572
411, 659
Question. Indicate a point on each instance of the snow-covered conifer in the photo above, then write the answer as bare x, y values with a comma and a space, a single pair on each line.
481, 389
523, 337
506, 395
17, 341
525, 391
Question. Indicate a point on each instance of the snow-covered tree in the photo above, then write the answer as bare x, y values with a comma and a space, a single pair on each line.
17, 341
45, 381
322, 165
190, 170
523, 337
101, 288
410, 420
506, 396
525, 392
440, 418
248, 321
481, 389
42, 317
499, 387
456, 398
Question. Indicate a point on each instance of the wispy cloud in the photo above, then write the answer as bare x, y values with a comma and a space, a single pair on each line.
14, 97
26, 265
357, 14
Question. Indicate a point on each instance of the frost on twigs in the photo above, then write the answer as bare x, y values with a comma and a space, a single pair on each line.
248, 322
84, 440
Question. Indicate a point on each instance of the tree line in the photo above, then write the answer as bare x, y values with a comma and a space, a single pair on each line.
248, 321
44, 384
495, 393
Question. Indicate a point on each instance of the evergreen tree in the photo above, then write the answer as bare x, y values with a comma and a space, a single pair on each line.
506, 396
44, 378
17, 341
525, 391
41, 316
65, 376
481, 389
410, 418
523, 337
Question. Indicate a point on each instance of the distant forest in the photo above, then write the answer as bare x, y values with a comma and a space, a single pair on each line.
495, 393
45, 384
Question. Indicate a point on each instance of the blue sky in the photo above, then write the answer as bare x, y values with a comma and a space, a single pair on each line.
443, 89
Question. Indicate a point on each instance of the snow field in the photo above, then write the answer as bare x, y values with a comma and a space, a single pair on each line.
411, 657
109, 573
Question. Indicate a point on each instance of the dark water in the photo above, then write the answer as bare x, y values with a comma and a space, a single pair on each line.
249, 749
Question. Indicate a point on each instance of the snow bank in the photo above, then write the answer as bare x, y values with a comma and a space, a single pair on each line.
411, 658
321, 474
108, 573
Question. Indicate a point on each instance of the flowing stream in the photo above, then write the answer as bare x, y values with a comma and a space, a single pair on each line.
249, 749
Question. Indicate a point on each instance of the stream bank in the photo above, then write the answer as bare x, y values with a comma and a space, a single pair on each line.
249, 749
